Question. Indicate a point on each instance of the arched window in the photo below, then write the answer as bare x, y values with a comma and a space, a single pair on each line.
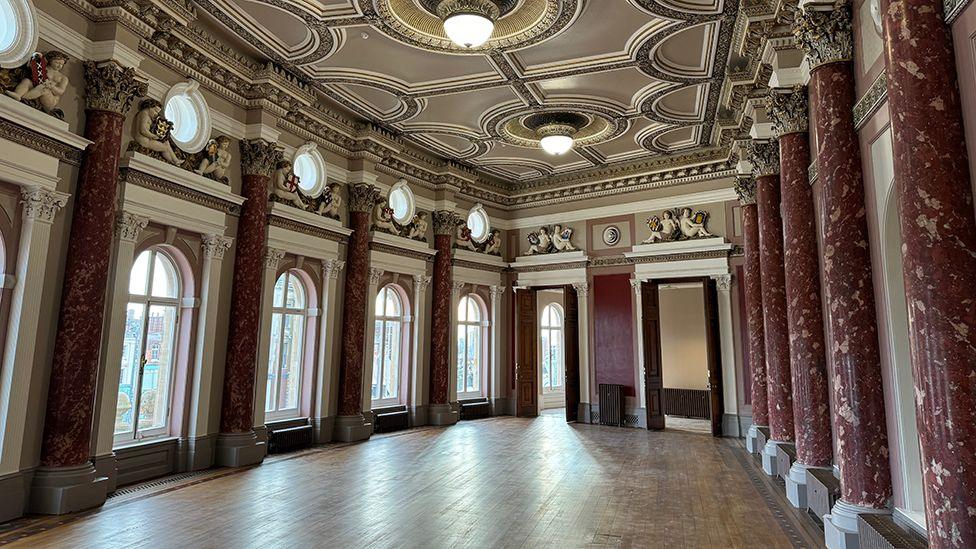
552, 348
469, 347
287, 347
148, 348
387, 341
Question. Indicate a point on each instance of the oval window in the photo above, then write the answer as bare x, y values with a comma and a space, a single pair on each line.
402, 203
187, 109
309, 166
18, 32
478, 223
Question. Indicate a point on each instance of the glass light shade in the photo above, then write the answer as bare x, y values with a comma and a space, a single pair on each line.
556, 144
468, 30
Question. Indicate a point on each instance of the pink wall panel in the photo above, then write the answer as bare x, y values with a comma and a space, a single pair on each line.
613, 322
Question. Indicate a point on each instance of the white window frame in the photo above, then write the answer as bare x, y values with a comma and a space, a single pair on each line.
482, 325
321, 176
378, 366
25, 34
479, 211
401, 186
553, 330
147, 301
284, 311
191, 91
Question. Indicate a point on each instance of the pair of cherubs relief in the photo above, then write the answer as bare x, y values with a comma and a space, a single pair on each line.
40, 83
491, 245
286, 189
551, 239
385, 221
678, 224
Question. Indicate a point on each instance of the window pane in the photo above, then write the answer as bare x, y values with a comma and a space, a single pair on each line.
380, 302
139, 277
279, 291
474, 358
377, 353
304, 168
157, 372
291, 369
462, 353
131, 360
546, 361
180, 111
462, 311
392, 302
556, 360
557, 318
474, 311
274, 359
296, 293
391, 380
165, 281
399, 205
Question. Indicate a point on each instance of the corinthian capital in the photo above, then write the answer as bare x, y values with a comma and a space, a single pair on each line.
788, 110
765, 158
42, 204
215, 245
445, 222
745, 187
111, 87
128, 226
362, 197
825, 36
259, 157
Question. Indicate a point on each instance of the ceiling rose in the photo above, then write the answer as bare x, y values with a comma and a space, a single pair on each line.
469, 23
556, 129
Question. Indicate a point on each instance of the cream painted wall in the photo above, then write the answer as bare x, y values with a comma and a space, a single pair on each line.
683, 336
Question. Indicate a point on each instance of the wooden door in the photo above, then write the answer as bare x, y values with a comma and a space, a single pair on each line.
571, 354
526, 363
653, 376
713, 345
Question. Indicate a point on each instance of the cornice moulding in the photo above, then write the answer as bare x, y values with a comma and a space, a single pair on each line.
401, 243
178, 176
559, 258
40, 122
467, 257
308, 218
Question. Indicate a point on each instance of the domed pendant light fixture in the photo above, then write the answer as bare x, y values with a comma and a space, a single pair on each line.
555, 130
470, 23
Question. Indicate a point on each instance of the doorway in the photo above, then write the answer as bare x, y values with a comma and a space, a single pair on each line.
682, 375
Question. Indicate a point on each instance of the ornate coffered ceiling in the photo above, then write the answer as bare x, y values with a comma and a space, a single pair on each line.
646, 74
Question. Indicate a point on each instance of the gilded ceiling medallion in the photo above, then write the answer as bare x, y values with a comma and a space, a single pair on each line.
518, 23
527, 129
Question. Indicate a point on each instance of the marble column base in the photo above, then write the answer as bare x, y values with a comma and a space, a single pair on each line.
770, 459
107, 466
352, 428
751, 439
443, 414
239, 449
796, 484
60, 490
840, 526
15, 488
418, 415
323, 427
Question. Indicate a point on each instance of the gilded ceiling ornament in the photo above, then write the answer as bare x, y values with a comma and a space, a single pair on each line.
111, 87
825, 36
362, 197
259, 157
788, 110
445, 222
745, 187
765, 158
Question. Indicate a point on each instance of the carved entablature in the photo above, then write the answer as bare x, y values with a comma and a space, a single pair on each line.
765, 158
788, 110
362, 197
286, 190
111, 87
491, 245
678, 224
745, 187
445, 222
825, 36
551, 239
40, 83
384, 221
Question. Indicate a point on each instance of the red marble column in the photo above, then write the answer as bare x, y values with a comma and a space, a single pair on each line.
852, 335
801, 258
445, 224
746, 188
938, 230
258, 161
765, 162
109, 90
362, 197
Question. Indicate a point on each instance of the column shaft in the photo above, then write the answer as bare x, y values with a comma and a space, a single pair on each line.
440, 318
355, 302
754, 314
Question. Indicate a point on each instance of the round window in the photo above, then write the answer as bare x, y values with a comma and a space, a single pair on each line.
478, 224
401, 202
309, 166
18, 32
187, 109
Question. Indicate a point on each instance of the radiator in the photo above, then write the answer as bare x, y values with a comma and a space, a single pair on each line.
882, 532
823, 490
690, 403
475, 409
611, 404
386, 421
289, 439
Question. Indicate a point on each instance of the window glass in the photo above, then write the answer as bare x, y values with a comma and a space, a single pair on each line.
139, 278
286, 355
165, 281
551, 347
18, 33
469, 345
308, 174
478, 224
182, 113
8, 25
387, 343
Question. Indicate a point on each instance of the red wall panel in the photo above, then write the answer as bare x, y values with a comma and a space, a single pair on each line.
613, 324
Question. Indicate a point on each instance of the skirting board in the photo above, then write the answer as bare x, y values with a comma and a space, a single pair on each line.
15, 488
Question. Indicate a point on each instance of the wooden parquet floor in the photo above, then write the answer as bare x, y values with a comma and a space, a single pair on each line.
502, 482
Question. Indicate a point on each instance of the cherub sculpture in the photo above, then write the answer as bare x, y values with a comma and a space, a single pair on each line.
152, 130
663, 228
330, 202
44, 83
383, 217
216, 160
463, 238
561, 239
285, 185
493, 246
693, 223
540, 242
417, 230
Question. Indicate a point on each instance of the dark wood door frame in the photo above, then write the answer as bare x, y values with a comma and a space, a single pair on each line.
526, 358
653, 381
571, 353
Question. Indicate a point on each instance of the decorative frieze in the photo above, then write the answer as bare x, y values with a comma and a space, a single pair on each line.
215, 246
825, 36
42, 204
872, 99
362, 197
128, 226
445, 222
765, 158
259, 157
111, 87
678, 224
550, 239
745, 187
788, 110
